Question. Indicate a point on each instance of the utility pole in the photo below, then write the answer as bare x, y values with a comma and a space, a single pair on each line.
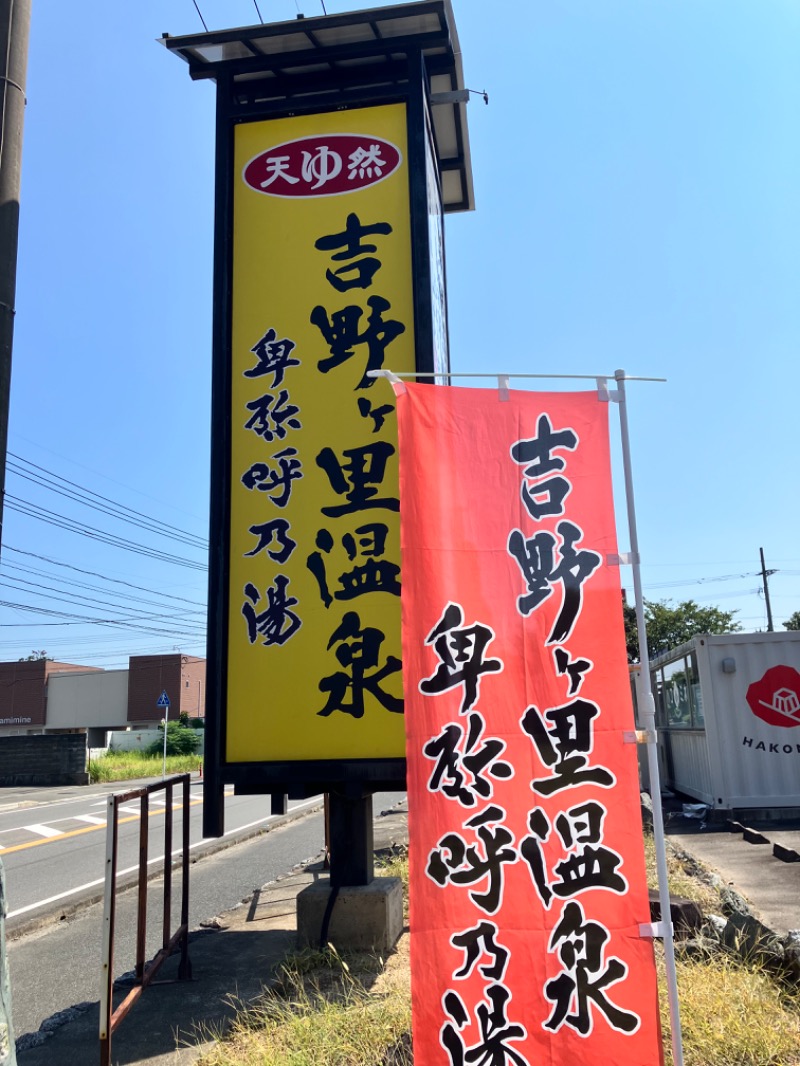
764, 575
15, 17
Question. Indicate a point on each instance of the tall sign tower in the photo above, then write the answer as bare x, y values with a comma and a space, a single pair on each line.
341, 142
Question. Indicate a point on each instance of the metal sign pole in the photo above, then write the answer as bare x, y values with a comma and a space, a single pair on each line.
166, 723
648, 711
163, 703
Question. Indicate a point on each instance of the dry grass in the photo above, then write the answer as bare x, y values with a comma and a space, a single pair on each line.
328, 1010
693, 883
324, 1010
395, 864
732, 1014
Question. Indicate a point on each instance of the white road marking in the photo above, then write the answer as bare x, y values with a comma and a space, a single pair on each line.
90, 818
158, 858
43, 830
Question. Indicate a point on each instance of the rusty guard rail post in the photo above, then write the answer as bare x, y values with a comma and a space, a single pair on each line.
144, 972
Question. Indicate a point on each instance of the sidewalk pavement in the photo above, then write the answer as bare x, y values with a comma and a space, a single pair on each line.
172, 1024
746, 857
232, 958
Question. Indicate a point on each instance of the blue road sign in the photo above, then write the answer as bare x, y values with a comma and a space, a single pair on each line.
163, 700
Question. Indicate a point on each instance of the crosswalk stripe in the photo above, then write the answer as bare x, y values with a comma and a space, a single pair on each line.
44, 830
90, 818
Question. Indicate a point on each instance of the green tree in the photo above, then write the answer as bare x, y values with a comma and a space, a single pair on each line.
669, 625
793, 622
180, 740
35, 656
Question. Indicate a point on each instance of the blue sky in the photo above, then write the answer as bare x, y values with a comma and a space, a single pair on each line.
637, 183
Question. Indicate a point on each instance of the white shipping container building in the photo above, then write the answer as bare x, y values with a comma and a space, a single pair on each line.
728, 720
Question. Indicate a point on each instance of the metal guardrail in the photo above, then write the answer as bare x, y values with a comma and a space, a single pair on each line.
144, 972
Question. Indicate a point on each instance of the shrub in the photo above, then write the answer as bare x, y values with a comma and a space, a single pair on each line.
180, 741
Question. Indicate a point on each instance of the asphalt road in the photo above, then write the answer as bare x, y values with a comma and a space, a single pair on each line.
55, 852
57, 967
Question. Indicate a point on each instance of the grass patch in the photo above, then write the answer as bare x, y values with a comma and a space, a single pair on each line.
395, 864
732, 1014
324, 1008
129, 765
682, 881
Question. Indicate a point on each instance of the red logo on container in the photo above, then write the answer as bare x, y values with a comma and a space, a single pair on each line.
327, 165
775, 699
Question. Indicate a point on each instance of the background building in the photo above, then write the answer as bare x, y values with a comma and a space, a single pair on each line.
43, 696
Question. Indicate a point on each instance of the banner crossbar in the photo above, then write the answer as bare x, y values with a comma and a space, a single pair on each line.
392, 376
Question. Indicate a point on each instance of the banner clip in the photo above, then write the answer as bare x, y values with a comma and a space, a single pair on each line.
653, 929
622, 559
638, 736
393, 379
502, 387
606, 395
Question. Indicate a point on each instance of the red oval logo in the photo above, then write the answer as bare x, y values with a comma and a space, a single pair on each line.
326, 165
775, 699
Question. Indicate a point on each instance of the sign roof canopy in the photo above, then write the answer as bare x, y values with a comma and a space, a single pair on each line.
294, 62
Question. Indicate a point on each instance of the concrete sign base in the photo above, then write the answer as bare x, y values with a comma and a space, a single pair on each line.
364, 917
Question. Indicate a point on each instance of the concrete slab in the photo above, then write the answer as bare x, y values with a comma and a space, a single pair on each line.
771, 886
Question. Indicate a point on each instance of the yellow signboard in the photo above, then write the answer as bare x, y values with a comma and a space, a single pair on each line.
322, 292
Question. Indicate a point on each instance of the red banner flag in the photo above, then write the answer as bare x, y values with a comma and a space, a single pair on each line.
526, 859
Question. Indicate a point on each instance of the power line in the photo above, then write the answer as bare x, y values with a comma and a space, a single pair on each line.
150, 527
21, 585
699, 581
75, 619
84, 586
105, 477
106, 505
53, 518
104, 577
197, 9
131, 616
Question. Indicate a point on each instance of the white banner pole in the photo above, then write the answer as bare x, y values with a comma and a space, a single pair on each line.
648, 713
